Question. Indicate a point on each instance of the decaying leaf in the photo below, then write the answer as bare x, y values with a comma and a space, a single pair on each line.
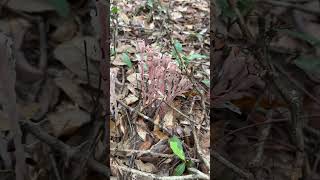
145, 167
68, 121
131, 99
169, 119
75, 92
71, 54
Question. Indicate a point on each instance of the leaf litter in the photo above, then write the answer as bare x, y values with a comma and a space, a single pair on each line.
265, 55
144, 34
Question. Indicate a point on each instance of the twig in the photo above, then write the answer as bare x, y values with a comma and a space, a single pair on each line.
143, 116
8, 93
196, 140
62, 148
203, 158
185, 116
228, 164
241, 21
54, 167
4, 154
87, 69
103, 12
251, 126
149, 152
197, 175
297, 84
265, 131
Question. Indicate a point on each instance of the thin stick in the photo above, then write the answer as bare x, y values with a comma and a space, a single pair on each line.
228, 164
54, 167
241, 21
142, 115
265, 131
146, 152
185, 116
198, 175
196, 140
8, 97
58, 146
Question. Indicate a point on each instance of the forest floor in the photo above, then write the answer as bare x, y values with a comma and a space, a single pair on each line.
177, 32
266, 89
264, 103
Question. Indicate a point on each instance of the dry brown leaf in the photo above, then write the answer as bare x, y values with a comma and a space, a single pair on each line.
118, 61
134, 78
159, 134
125, 18
169, 119
130, 99
156, 122
68, 121
121, 123
71, 55
66, 30
145, 167
142, 133
75, 92
146, 144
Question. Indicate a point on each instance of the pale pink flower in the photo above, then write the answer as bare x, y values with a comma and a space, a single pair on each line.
163, 80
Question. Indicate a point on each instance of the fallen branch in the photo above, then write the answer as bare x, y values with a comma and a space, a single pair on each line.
196, 140
230, 165
8, 98
148, 152
143, 116
67, 151
197, 174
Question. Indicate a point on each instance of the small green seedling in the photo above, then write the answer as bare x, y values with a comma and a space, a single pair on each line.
178, 54
126, 59
115, 10
177, 148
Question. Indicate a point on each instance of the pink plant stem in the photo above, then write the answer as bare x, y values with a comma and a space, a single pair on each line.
142, 47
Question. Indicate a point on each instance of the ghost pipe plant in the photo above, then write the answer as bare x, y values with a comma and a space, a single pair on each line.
161, 79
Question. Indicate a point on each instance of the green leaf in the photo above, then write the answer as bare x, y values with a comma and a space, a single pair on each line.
126, 59
178, 50
308, 64
196, 56
150, 3
179, 170
178, 46
112, 51
189, 163
206, 82
115, 10
61, 6
301, 35
176, 146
